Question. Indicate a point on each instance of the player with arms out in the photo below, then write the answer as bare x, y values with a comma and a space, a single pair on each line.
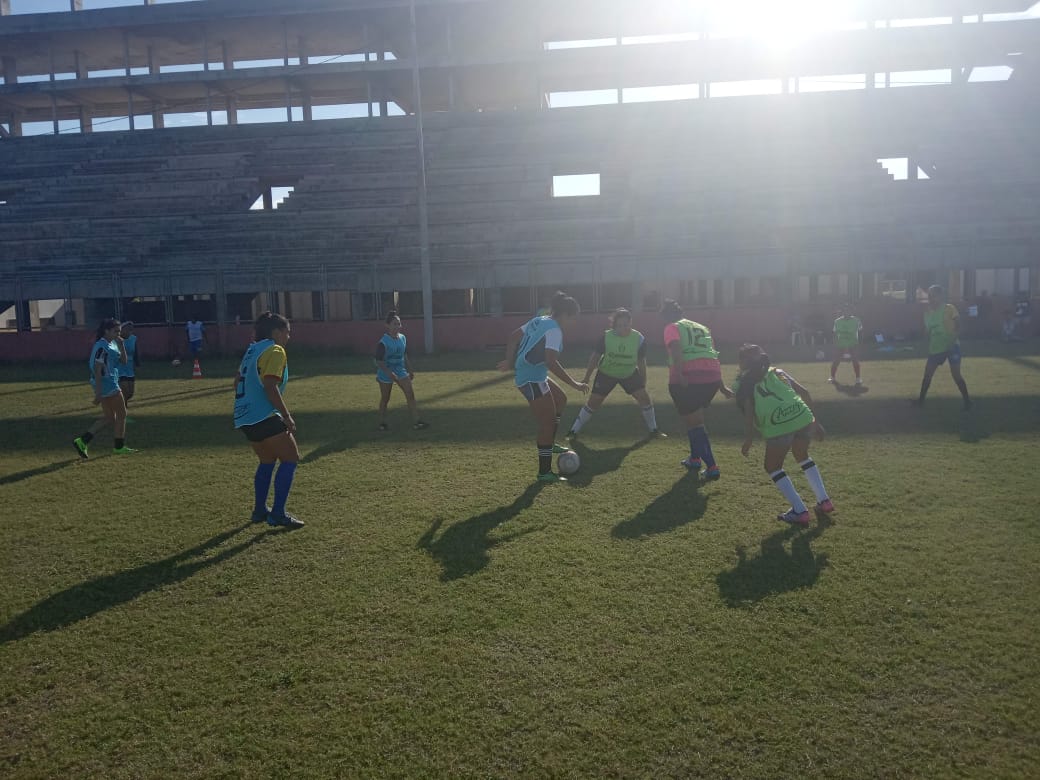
620, 358
780, 409
261, 414
106, 358
846, 343
533, 350
694, 377
942, 321
391, 358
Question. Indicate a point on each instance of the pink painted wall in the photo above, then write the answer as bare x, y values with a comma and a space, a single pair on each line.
730, 325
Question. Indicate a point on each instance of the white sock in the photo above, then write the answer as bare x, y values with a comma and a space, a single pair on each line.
584, 415
650, 418
783, 482
812, 473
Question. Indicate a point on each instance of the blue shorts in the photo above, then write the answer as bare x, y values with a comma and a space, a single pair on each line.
532, 391
386, 379
953, 355
195, 346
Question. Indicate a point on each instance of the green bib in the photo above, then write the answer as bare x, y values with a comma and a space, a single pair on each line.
846, 331
695, 340
939, 339
622, 355
779, 410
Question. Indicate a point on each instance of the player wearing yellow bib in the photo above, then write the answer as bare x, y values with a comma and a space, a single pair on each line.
942, 322
620, 358
780, 409
261, 414
694, 377
846, 343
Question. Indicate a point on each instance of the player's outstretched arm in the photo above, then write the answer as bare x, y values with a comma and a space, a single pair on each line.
552, 361
594, 359
514, 340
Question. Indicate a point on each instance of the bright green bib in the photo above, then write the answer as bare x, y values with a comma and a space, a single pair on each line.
695, 340
779, 410
622, 354
939, 338
846, 331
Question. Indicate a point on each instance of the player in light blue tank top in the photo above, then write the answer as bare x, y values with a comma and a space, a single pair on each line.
106, 357
533, 351
261, 414
392, 367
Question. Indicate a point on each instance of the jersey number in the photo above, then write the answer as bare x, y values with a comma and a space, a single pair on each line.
694, 337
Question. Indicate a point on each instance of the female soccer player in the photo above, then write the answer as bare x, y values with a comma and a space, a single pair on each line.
533, 350
106, 357
846, 343
942, 322
261, 414
127, 373
695, 376
621, 359
393, 366
781, 410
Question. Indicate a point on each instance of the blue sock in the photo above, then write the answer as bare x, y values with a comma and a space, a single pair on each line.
261, 484
282, 484
699, 443
695, 448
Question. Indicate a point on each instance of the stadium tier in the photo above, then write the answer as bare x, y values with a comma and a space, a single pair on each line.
267, 155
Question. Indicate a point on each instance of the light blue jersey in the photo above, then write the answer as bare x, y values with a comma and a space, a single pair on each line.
251, 402
540, 333
130, 345
391, 351
107, 355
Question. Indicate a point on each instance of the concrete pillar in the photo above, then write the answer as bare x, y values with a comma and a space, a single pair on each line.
228, 60
308, 107
158, 120
153, 66
231, 105
80, 64
86, 120
5, 7
268, 200
75, 5
10, 70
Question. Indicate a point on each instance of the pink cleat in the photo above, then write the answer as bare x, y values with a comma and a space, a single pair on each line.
825, 507
794, 518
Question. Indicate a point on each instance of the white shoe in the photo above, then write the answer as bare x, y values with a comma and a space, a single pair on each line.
859, 381
830, 380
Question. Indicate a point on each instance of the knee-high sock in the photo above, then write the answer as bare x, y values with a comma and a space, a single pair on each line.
584, 415
650, 418
784, 484
262, 484
700, 446
282, 485
545, 458
812, 473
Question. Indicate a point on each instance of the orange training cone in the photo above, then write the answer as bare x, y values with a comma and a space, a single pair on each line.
196, 370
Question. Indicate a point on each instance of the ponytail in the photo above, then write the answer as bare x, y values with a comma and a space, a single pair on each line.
564, 305
754, 364
267, 323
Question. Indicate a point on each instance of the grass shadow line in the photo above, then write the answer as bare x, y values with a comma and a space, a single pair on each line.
775, 570
18, 476
89, 598
464, 548
681, 505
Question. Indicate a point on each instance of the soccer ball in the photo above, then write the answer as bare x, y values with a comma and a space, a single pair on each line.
175, 362
568, 462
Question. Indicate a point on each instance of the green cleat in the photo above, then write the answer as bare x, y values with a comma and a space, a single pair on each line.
551, 476
123, 451
81, 447
558, 448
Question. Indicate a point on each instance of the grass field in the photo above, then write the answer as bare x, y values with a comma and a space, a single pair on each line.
441, 616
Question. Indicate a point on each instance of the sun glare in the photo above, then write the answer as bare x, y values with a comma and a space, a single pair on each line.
781, 26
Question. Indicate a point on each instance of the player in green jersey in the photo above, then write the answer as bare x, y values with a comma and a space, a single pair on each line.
942, 321
620, 358
846, 343
781, 410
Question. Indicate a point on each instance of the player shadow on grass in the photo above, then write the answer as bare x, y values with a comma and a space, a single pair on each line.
775, 570
683, 504
973, 428
597, 462
853, 391
155, 400
89, 598
18, 476
463, 548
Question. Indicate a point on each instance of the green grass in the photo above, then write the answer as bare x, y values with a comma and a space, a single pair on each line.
441, 616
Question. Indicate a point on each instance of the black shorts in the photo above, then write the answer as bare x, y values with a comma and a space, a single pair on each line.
127, 382
265, 429
692, 397
604, 383
953, 355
